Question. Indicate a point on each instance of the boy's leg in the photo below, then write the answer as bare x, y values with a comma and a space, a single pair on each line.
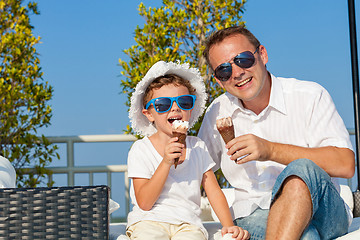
148, 230
255, 223
186, 232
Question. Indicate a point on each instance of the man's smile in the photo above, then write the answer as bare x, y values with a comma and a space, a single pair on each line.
240, 84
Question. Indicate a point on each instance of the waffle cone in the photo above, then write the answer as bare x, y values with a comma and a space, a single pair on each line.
227, 133
181, 139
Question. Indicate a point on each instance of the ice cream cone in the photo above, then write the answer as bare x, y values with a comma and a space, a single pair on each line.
179, 130
226, 128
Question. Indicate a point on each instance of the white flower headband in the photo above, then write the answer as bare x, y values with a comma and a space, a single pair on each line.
140, 124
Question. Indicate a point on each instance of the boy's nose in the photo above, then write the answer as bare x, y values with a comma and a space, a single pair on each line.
174, 107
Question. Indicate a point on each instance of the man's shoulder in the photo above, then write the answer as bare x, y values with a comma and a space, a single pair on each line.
296, 85
195, 141
223, 99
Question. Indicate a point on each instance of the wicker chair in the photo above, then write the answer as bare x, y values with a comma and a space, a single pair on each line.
54, 213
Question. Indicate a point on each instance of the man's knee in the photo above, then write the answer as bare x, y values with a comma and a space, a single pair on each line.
294, 185
294, 189
295, 179
304, 167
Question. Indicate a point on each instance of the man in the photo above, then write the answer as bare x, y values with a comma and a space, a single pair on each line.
289, 140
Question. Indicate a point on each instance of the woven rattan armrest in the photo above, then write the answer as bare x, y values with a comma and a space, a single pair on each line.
79, 212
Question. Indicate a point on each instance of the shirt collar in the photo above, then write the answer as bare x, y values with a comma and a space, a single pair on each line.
276, 101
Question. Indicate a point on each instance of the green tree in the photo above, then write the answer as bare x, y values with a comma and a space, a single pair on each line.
177, 31
23, 95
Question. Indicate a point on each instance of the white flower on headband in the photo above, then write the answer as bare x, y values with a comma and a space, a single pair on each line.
139, 122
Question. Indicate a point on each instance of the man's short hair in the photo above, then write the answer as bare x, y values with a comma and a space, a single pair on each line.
220, 35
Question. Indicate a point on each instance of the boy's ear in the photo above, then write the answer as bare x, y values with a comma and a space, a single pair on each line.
148, 114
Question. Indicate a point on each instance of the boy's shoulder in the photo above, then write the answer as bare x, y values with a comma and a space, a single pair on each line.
140, 143
143, 140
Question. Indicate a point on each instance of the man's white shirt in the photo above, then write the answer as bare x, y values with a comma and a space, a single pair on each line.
299, 113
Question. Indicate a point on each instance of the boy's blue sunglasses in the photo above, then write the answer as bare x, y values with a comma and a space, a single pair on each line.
164, 104
244, 60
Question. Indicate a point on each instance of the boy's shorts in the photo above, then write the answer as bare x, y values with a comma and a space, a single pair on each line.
152, 230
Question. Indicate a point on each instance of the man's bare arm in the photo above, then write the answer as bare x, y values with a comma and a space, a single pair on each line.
337, 162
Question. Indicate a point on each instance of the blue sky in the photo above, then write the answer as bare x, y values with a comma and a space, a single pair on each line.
82, 41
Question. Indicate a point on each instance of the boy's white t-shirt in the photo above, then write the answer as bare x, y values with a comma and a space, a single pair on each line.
179, 201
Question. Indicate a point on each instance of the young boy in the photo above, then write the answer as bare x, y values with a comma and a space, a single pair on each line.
167, 200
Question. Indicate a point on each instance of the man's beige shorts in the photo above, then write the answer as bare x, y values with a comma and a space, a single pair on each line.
150, 230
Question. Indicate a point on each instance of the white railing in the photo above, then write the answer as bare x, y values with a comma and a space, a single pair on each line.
70, 170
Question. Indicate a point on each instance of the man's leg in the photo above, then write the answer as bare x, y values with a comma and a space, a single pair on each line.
255, 224
311, 233
328, 213
291, 212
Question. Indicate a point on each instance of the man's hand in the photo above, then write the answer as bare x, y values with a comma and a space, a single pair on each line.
248, 148
340, 162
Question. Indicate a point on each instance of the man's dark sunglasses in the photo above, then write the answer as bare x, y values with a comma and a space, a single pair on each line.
244, 60
164, 104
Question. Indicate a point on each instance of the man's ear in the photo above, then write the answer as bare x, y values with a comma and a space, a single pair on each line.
263, 54
148, 114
